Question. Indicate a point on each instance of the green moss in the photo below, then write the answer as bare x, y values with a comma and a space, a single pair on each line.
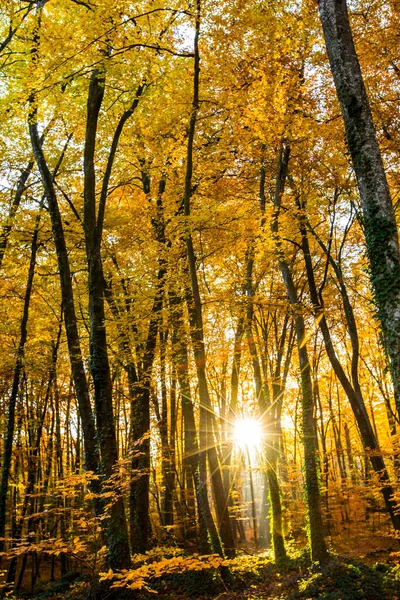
348, 581
385, 278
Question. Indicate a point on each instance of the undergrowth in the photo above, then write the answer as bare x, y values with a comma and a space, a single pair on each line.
169, 573
345, 579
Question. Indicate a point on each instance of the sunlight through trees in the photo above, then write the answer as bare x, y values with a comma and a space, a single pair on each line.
199, 309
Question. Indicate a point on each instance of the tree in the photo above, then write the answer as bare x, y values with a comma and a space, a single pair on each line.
319, 550
378, 214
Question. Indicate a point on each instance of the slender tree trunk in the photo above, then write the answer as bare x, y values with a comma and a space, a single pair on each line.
353, 391
316, 527
197, 330
264, 528
349, 452
170, 481
325, 459
117, 531
6, 229
268, 412
167, 453
139, 382
7, 455
140, 424
230, 419
193, 454
92, 460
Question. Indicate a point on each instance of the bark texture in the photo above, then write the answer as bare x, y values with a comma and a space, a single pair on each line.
117, 531
378, 213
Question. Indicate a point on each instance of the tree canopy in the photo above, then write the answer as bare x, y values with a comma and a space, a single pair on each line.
198, 236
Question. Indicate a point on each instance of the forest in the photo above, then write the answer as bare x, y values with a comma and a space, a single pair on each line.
199, 299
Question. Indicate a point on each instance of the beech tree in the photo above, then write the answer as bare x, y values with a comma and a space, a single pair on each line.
182, 251
379, 218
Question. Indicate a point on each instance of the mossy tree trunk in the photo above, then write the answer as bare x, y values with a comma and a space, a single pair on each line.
378, 214
309, 429
352, 388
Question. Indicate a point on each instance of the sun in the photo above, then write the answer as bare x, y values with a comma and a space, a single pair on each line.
248, 433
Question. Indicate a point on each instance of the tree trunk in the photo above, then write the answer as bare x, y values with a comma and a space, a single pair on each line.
117, 531
264, 527
193, 454
268, 412
353, 392
197, 330
6, 229
7, 456
92, 460
167, 450
140, 423
379, 218
316, 527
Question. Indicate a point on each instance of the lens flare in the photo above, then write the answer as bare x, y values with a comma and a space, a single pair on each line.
248, 433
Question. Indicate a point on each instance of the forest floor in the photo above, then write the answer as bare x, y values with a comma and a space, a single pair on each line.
365, 566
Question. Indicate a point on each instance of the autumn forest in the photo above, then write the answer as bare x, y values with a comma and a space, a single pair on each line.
199, 299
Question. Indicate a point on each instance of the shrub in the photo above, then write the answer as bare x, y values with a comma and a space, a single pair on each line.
347, 581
